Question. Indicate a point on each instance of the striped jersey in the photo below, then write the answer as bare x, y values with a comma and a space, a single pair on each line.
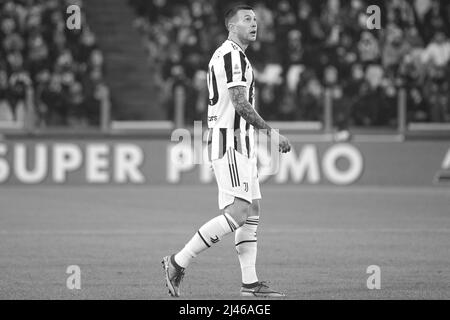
229, 67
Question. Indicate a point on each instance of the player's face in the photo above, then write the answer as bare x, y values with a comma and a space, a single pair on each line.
246, 26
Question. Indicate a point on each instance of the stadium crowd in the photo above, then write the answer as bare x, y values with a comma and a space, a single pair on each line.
306, 48
46, 69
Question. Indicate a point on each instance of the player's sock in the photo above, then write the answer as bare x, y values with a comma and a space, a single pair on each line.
208, 234
246, 246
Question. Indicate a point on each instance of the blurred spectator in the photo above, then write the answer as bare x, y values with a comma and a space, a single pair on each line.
437, 53
395, 49
310, 97
305, 47
368, 48
44, 66
6, 113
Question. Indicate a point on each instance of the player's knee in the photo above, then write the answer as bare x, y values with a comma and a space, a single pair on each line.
254, 209
239, 211
239, 216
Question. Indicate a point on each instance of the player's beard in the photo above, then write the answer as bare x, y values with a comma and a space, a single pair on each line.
248, 38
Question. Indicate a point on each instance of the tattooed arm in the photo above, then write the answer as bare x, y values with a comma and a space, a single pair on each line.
243, 107
240, 102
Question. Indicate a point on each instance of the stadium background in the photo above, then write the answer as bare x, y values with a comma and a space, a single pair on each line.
88, 171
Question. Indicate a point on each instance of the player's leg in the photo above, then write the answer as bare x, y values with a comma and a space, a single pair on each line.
246, 245
231, 172
234, 215
245, 237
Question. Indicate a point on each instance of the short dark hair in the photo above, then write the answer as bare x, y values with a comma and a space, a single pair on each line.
232, 10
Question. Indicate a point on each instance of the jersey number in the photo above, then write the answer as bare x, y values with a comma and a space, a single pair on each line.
212, 87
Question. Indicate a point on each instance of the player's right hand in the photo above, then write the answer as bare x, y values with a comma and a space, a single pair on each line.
284, 145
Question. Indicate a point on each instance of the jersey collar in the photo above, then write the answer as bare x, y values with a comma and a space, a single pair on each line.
237, 45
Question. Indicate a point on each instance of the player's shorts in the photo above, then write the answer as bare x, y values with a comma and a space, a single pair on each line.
236, 176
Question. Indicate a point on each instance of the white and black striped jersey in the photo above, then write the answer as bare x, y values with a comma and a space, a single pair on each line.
229, 67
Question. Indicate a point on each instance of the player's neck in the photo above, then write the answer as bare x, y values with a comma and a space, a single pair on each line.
236, 40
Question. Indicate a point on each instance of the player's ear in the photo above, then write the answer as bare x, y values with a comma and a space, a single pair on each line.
232, 24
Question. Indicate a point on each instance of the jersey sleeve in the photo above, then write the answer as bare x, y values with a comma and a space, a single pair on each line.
235, 67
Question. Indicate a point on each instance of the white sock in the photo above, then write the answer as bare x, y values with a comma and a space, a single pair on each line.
246, 246
208, 234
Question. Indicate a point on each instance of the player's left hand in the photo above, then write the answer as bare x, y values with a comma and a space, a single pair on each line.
284, 145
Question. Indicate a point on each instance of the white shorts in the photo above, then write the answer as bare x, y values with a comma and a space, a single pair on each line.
236, 176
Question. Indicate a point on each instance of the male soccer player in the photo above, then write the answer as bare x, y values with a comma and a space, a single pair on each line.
231, 144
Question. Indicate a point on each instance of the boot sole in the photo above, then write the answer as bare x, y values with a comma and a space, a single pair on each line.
165, 263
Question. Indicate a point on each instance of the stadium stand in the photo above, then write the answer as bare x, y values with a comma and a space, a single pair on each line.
134, 96
46, 70
306, 48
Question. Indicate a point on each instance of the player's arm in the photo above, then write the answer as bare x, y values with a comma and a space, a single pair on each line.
238, 95
245, 109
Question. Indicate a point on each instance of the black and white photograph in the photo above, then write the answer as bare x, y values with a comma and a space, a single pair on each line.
197, 151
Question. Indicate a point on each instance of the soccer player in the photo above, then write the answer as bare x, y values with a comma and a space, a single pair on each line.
232, 120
